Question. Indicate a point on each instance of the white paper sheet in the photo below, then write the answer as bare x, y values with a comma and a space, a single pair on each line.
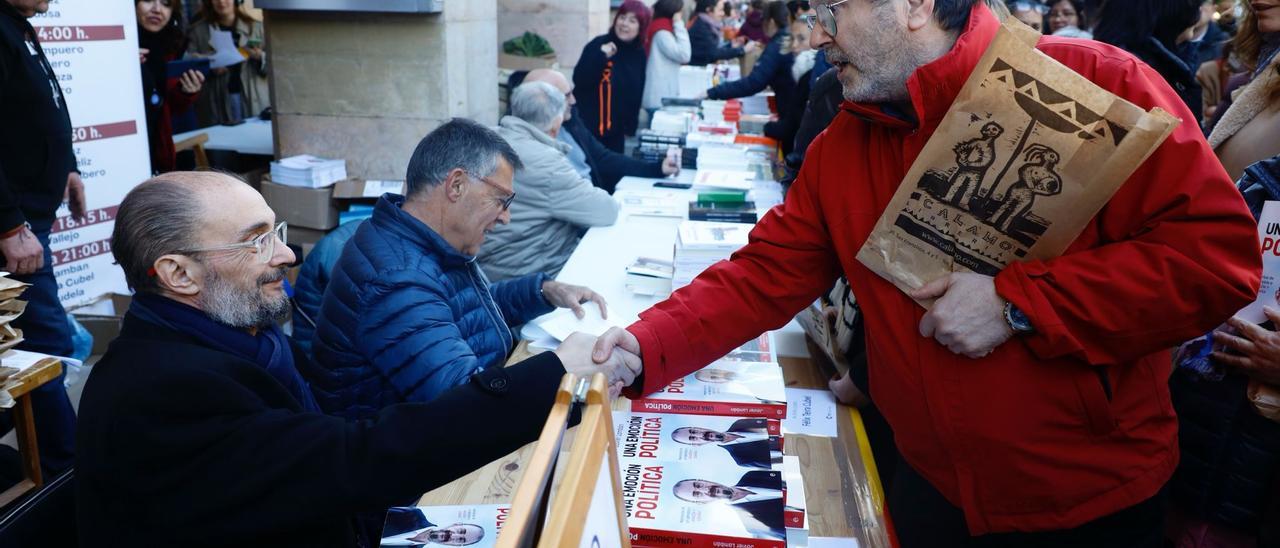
810, 412
225, 51
562, 323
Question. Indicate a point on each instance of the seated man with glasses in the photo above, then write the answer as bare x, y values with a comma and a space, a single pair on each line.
408, 313
556, 204
197, 421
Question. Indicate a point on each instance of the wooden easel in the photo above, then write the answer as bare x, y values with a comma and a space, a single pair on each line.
587, 507
529, 504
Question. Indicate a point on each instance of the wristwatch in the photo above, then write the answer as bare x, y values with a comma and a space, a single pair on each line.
1017, 319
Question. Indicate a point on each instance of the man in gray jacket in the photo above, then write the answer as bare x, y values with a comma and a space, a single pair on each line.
555, 205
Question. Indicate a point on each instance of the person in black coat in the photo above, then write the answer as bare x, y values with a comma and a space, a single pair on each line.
609, 77
773, 69
706, 36
589, 157
1156, 31
823, 106
37, 172
196, 427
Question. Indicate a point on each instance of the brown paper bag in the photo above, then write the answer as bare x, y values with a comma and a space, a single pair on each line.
1028, 153
1265, 399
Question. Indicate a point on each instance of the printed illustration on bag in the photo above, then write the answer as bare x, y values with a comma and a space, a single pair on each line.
1026, 155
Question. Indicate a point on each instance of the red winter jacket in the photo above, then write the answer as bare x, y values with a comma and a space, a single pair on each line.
1027, 438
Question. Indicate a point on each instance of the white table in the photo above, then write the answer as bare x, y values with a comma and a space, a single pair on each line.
601, 259
251, 137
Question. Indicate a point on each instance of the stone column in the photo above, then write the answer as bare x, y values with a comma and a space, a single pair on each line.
367, 86
567, 24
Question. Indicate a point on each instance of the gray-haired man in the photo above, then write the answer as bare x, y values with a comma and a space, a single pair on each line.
556, 203
408, 314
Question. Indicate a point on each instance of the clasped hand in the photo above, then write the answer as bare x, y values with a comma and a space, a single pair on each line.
968, 315
620, 367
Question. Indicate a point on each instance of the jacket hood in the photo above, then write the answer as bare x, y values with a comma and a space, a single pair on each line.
934, 86
388, 216
524, 129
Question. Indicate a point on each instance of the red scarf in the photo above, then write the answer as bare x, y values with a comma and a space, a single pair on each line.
654, 27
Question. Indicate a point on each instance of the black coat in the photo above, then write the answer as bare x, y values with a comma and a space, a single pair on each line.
705, 45
609, 89
180, 444
822, 108
608, 167
772, 70
35, 128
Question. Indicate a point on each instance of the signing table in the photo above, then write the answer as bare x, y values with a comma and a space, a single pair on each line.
844, 497
35, 371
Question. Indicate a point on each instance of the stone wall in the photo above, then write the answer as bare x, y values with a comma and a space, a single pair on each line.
367, 87
567, 24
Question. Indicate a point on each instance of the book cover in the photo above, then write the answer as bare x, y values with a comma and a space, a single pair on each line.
690, 504
713, 441
475, 525
724, 388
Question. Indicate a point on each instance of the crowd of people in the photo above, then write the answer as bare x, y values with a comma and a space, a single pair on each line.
1040, 406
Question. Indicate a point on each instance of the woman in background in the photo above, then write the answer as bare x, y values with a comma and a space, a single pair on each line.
161, 40
238, 91
667, 42
706, 35
774, 67
609, 78
1067, 18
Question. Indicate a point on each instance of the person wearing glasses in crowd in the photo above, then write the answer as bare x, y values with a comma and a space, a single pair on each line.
1031, 12
408, 313
1030, 408
197, 418
556, 204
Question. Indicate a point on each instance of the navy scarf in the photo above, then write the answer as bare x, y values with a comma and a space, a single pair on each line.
269, 348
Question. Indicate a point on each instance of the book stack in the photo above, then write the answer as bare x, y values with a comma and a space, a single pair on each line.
695, 80
308, 171
725, 178
727, 387
670, 120
757, 104
652, 146
721, 111
722, 212
726, 157
700, 244
10, 309
650, 277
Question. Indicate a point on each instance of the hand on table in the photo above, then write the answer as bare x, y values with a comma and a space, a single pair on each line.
671, 164
620, 368
1255, 350
968, 317
562, 295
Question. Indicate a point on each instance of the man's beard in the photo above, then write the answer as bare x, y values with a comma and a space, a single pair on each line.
230, 304
881, 76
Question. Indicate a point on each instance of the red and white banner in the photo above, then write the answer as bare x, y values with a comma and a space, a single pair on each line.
93, 47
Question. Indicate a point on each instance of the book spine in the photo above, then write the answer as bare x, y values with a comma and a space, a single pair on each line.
660, 538
794, 518
722, 409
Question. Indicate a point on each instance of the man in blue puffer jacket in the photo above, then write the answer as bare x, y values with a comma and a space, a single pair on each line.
408, 313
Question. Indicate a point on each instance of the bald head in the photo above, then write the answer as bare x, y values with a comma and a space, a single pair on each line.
165, 214
559, 81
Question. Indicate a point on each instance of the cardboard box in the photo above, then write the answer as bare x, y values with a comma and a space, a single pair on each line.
520, 62
301, 207
102, 319
306, 238
358, 188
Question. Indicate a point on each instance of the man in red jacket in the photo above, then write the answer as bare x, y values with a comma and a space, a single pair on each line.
1053, 427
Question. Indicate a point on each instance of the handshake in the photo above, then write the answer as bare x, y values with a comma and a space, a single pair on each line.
616, 354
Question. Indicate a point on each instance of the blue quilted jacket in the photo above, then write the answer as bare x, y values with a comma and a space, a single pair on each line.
406, 317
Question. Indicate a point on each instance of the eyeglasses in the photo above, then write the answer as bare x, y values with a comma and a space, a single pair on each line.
506, 202
1029, 6
264, 245
823, 15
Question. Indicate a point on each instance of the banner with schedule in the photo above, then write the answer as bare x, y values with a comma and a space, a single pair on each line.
93, 47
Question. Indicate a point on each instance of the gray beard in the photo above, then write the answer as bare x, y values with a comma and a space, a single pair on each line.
230, 305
